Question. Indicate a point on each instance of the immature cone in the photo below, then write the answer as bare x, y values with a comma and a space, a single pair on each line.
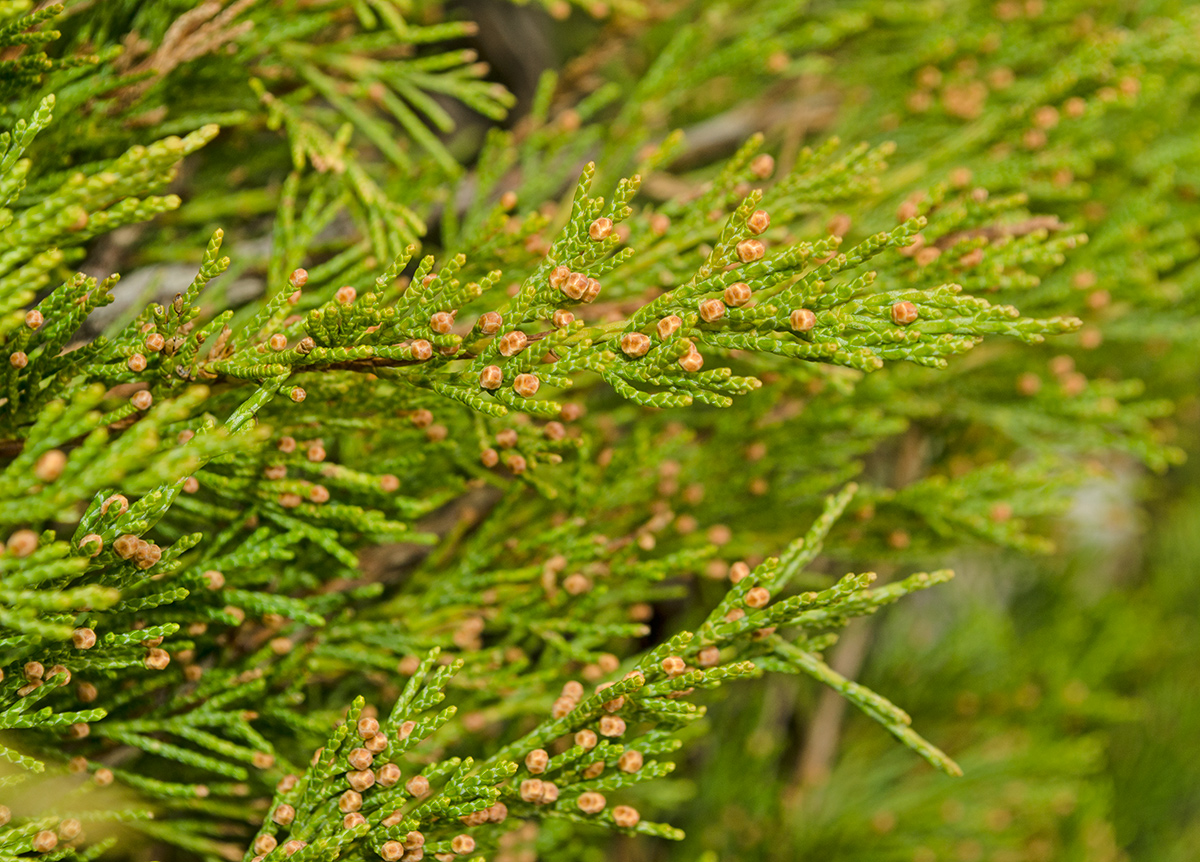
611, 725
349, 801
512, 343
421, 349
673, 665
136, 363
561, 318
284, 815
278, 342
536, 761
559, 276
600, 229
711, 310
749, 250
630, 761
18, 359
762, 166
575, 286
360, 780
442, 322
710, 656
532, 790
591, 290
462, 844
391, 851
155, 342
418, 785
360, 758
490, 322
44, 841
904, 313
297, 394
157, 659
83, 638
590, 802
346, 295
802, 320
625, 816
737, 294
667, 326
757, 598
586, 739
635, 344
491, 377
142, 400
526, 385
388, 775
759, 221
693, 361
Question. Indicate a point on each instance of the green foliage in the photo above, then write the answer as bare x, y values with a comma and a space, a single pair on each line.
439, 408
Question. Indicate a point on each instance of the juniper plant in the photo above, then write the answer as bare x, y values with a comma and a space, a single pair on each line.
441, 407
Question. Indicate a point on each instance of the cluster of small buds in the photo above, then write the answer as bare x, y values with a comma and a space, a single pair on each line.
144, 554
568, 700
591, 802
600, 229
904, 313
802, 320
737, 294
537, 791
574, 285
635, 344
711, 310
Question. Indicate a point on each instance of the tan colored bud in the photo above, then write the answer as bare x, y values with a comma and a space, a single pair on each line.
490, 322
346, 295
388, 775
737, 294
758, 597
83, 638
418, 785
526, 385
575, 286
600, 229
693, 361
802, 320
625, 816
441, 322
44, 841
591, 802
18, 359
630, 761
532, 790
155, 342
462, 844
668, 326
750, 250
360, 758
421, 350
762, 166
562, 318
512, 343
759, 221
361, 779
537, 760
612, 725
157, 659
904, 313
284, 815
491, 377
673, 665
591, 290
586, 739
278, 342
297, 394
391, 851
142, 400
711, 310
